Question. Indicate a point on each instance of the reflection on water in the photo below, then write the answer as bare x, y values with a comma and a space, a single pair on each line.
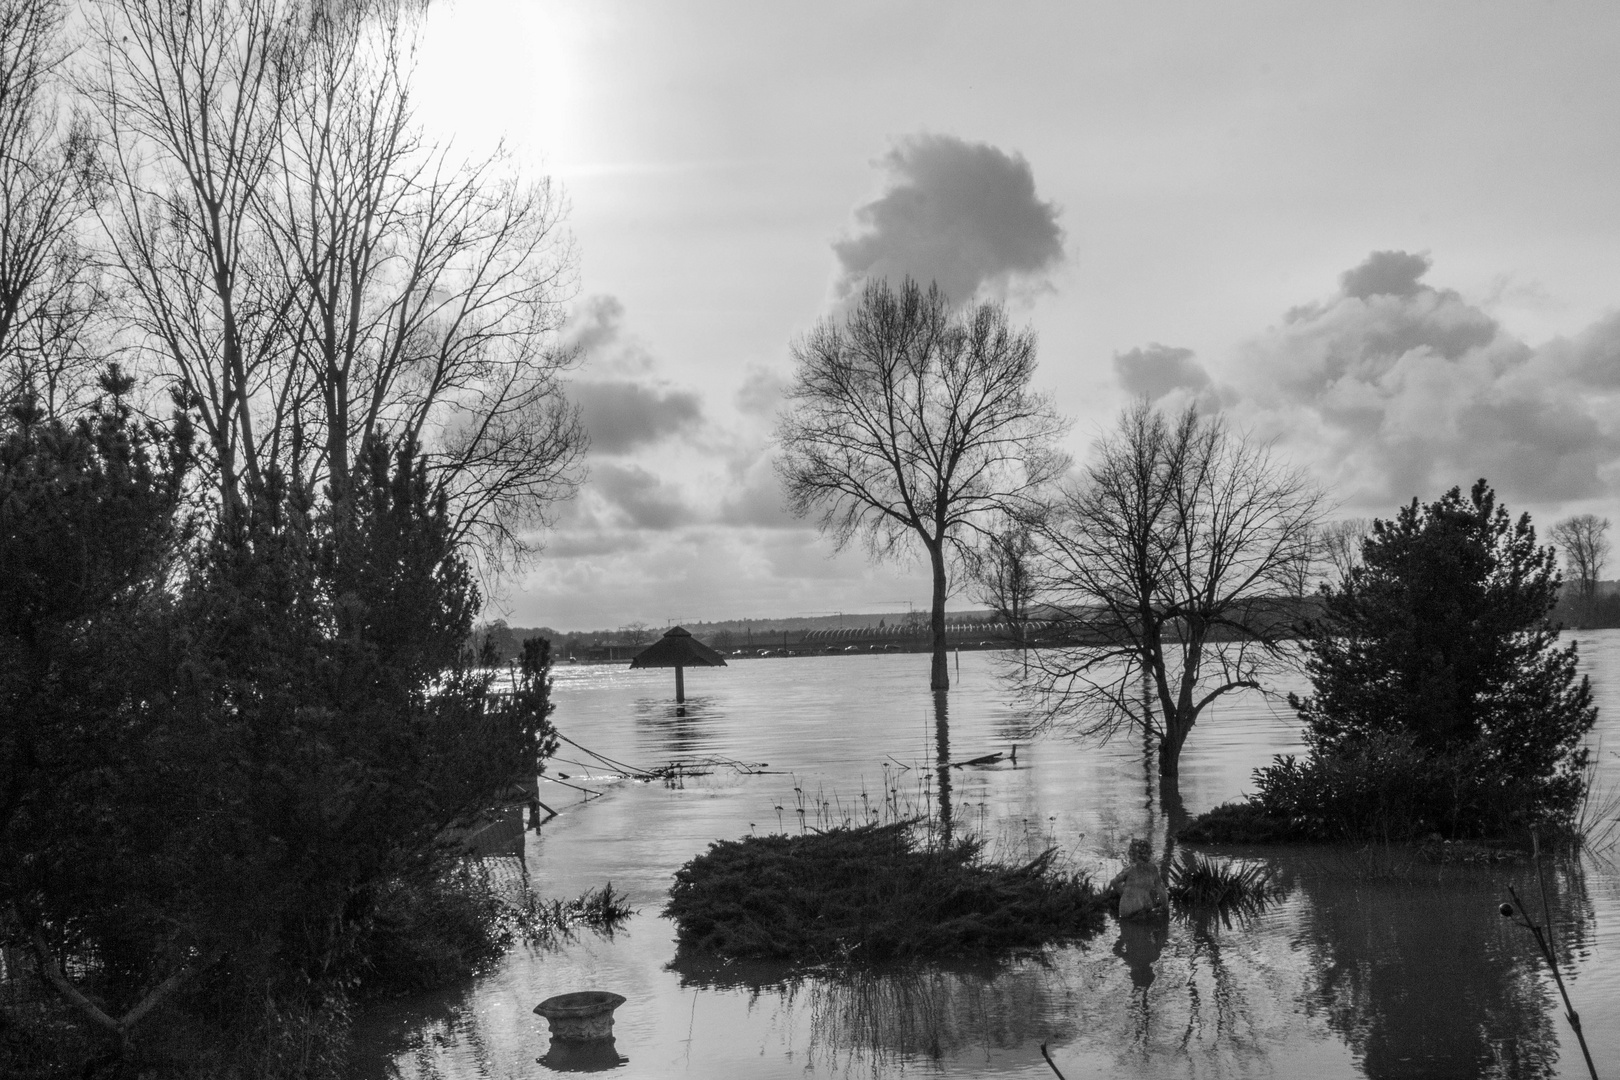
877, 1021
1139, 945
1366, 964
687, 730
1385, 950
942, 755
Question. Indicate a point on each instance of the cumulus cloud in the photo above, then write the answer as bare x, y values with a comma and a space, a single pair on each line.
1400, 389
1386, 273
962, 214
1156, 370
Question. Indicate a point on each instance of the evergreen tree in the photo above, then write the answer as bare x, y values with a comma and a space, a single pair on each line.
1439, 644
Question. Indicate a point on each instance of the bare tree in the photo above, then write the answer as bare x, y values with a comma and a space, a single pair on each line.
49, 294
1004, 578
910, 424
1339, 545
428, 290
1171, 560
1584, 540
314, 272
191, 98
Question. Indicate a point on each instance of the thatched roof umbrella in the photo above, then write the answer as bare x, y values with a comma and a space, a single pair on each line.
678, 649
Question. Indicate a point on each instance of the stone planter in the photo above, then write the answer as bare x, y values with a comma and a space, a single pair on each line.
584, 1016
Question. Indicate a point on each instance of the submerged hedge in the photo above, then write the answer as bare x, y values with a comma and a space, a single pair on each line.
872, 893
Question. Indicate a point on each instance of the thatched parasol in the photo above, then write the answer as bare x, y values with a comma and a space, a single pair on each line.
680, 650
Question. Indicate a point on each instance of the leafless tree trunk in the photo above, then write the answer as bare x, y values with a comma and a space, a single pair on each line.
1584, 540
49, 294
1171, 560
908, 424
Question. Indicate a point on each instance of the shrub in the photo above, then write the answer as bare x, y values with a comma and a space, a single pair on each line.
433, 934
429, 934
1244, 822
1440, 699
872, 893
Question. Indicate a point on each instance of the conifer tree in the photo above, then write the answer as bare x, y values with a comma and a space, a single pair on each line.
1441, 637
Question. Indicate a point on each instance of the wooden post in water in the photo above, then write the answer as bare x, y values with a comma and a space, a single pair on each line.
680, 685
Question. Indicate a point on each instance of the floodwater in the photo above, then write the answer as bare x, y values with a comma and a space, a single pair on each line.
1370, 965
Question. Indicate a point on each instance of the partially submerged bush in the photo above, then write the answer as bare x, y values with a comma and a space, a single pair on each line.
424, 937
1244, 822
1383, 788
872, 893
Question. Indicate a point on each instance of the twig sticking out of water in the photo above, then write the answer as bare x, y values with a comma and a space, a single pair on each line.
675, 770
1049, 1061
1574, 1018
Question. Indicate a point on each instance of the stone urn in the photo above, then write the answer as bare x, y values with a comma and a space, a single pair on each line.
581, 1017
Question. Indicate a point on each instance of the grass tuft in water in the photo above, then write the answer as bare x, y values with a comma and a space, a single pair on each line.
541, 922
870, 894
1195, 881
1597, 820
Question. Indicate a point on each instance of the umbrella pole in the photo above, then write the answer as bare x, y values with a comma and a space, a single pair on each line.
680, 685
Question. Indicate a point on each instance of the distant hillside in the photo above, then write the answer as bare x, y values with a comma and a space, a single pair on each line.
731, 633
800, 635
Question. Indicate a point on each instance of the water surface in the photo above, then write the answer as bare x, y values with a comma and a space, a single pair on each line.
1369, 966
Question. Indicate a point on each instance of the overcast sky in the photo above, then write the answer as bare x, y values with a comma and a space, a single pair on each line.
1387, 235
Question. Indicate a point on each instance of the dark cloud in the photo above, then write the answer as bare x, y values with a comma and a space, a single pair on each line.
1386, 273
1594, 354
962, 214
642, 497
1399, 389
594, 544
1156, 370
621, 415
595, 330
622, 406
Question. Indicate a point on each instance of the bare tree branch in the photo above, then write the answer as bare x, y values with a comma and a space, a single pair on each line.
1339, 545
315, 272
50, 294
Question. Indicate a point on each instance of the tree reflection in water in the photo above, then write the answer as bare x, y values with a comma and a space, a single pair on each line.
693, 730
1390, 938
875, 1021
942, 754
